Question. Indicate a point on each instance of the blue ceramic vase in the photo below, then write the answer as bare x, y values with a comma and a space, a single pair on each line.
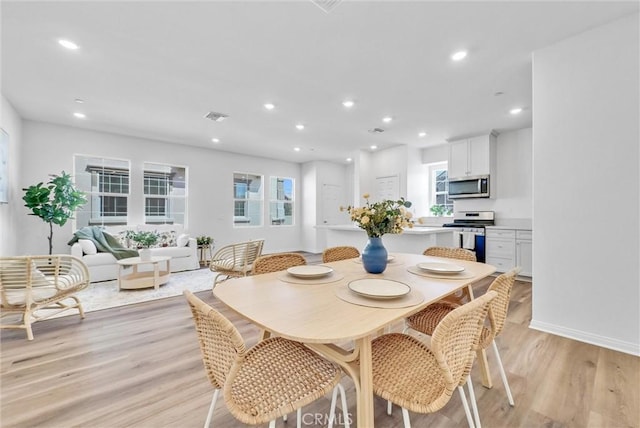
374, 256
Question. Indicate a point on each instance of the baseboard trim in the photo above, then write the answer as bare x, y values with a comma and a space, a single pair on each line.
582, 336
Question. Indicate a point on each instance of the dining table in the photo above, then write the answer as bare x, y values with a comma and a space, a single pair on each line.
327, 315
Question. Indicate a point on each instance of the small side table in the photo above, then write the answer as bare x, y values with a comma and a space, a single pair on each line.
145, 279
205, 254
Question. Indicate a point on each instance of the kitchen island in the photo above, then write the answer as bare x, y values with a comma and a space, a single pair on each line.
414, 240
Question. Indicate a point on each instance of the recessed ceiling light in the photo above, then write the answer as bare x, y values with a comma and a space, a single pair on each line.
373, 147
300, 126
269, 106
348, 103
79, 115
349, 159
79, 101
215, 140
515, 110
387, 119
296, 149
460, 55
422, 134
68, 44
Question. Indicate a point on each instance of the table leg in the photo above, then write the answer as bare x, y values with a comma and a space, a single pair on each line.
156, 275
365, 396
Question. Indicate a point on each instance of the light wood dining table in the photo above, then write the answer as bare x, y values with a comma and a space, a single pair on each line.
314, 315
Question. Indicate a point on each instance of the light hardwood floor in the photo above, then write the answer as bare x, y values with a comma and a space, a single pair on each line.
140, 366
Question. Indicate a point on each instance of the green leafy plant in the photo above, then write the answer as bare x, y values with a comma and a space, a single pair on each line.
54, 202
204, 240
440, 210
143, 239
381, 217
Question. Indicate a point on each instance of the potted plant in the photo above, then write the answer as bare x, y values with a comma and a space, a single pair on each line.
54, 202
204, 241
144, 240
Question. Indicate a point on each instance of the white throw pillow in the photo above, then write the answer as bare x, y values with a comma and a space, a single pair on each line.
88, 247
183, 240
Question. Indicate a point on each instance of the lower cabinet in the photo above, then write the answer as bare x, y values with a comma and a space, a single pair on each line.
508, 248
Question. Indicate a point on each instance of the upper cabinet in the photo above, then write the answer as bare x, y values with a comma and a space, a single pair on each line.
472, 156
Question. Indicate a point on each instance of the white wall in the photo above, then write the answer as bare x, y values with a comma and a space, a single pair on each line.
12, 125
50, 148
513, 198
586, 163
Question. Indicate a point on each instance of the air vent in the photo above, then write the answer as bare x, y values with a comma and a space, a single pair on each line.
216, 117
376, 130
326, 5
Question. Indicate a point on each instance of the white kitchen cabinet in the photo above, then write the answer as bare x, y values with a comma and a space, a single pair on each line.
508, 248
524, 252
472, 156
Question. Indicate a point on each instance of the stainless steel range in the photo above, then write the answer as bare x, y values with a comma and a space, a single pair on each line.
469, 232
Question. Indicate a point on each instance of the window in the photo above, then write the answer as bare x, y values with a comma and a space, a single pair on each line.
281, 201
106, 183
165, 194
439, 202
247, 199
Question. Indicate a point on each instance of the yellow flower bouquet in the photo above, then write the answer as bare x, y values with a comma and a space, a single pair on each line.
381, 217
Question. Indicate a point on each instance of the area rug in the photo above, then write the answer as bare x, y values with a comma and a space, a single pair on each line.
104, 295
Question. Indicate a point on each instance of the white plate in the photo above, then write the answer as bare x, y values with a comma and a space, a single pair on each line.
379, 288
309, 271
442, 268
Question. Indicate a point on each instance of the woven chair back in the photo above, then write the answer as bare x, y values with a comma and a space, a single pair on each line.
277, 262
32, 280
221, 344
502, 285
335, 254
456, 339
451, 253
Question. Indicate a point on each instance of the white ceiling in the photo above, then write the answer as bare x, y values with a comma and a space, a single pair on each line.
154, 69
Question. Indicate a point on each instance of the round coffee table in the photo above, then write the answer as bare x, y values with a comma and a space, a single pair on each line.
143, 279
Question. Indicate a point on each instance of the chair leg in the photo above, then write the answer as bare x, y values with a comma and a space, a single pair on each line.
272, 424
26, 319
211, 407
503, 375
405, 418
299, 417
467, 412
389, 407
343, 401
474, 404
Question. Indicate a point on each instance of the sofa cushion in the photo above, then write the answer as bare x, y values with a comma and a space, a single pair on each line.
88, 247
99, 259
182, 240
174, 252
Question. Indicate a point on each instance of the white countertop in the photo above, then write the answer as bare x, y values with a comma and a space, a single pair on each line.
417, 230
513, 223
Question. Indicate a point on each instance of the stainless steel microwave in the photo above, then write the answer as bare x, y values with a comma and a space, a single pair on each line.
469, 187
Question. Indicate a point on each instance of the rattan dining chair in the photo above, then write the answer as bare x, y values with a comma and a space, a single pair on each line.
235, 260
426, 321
277, 262
422, 379
451, 253
271, 379
334, 254
29, 284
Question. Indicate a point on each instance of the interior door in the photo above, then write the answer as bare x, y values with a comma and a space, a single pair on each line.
331, 203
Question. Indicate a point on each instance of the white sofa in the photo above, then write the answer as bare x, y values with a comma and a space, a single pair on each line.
103, 266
